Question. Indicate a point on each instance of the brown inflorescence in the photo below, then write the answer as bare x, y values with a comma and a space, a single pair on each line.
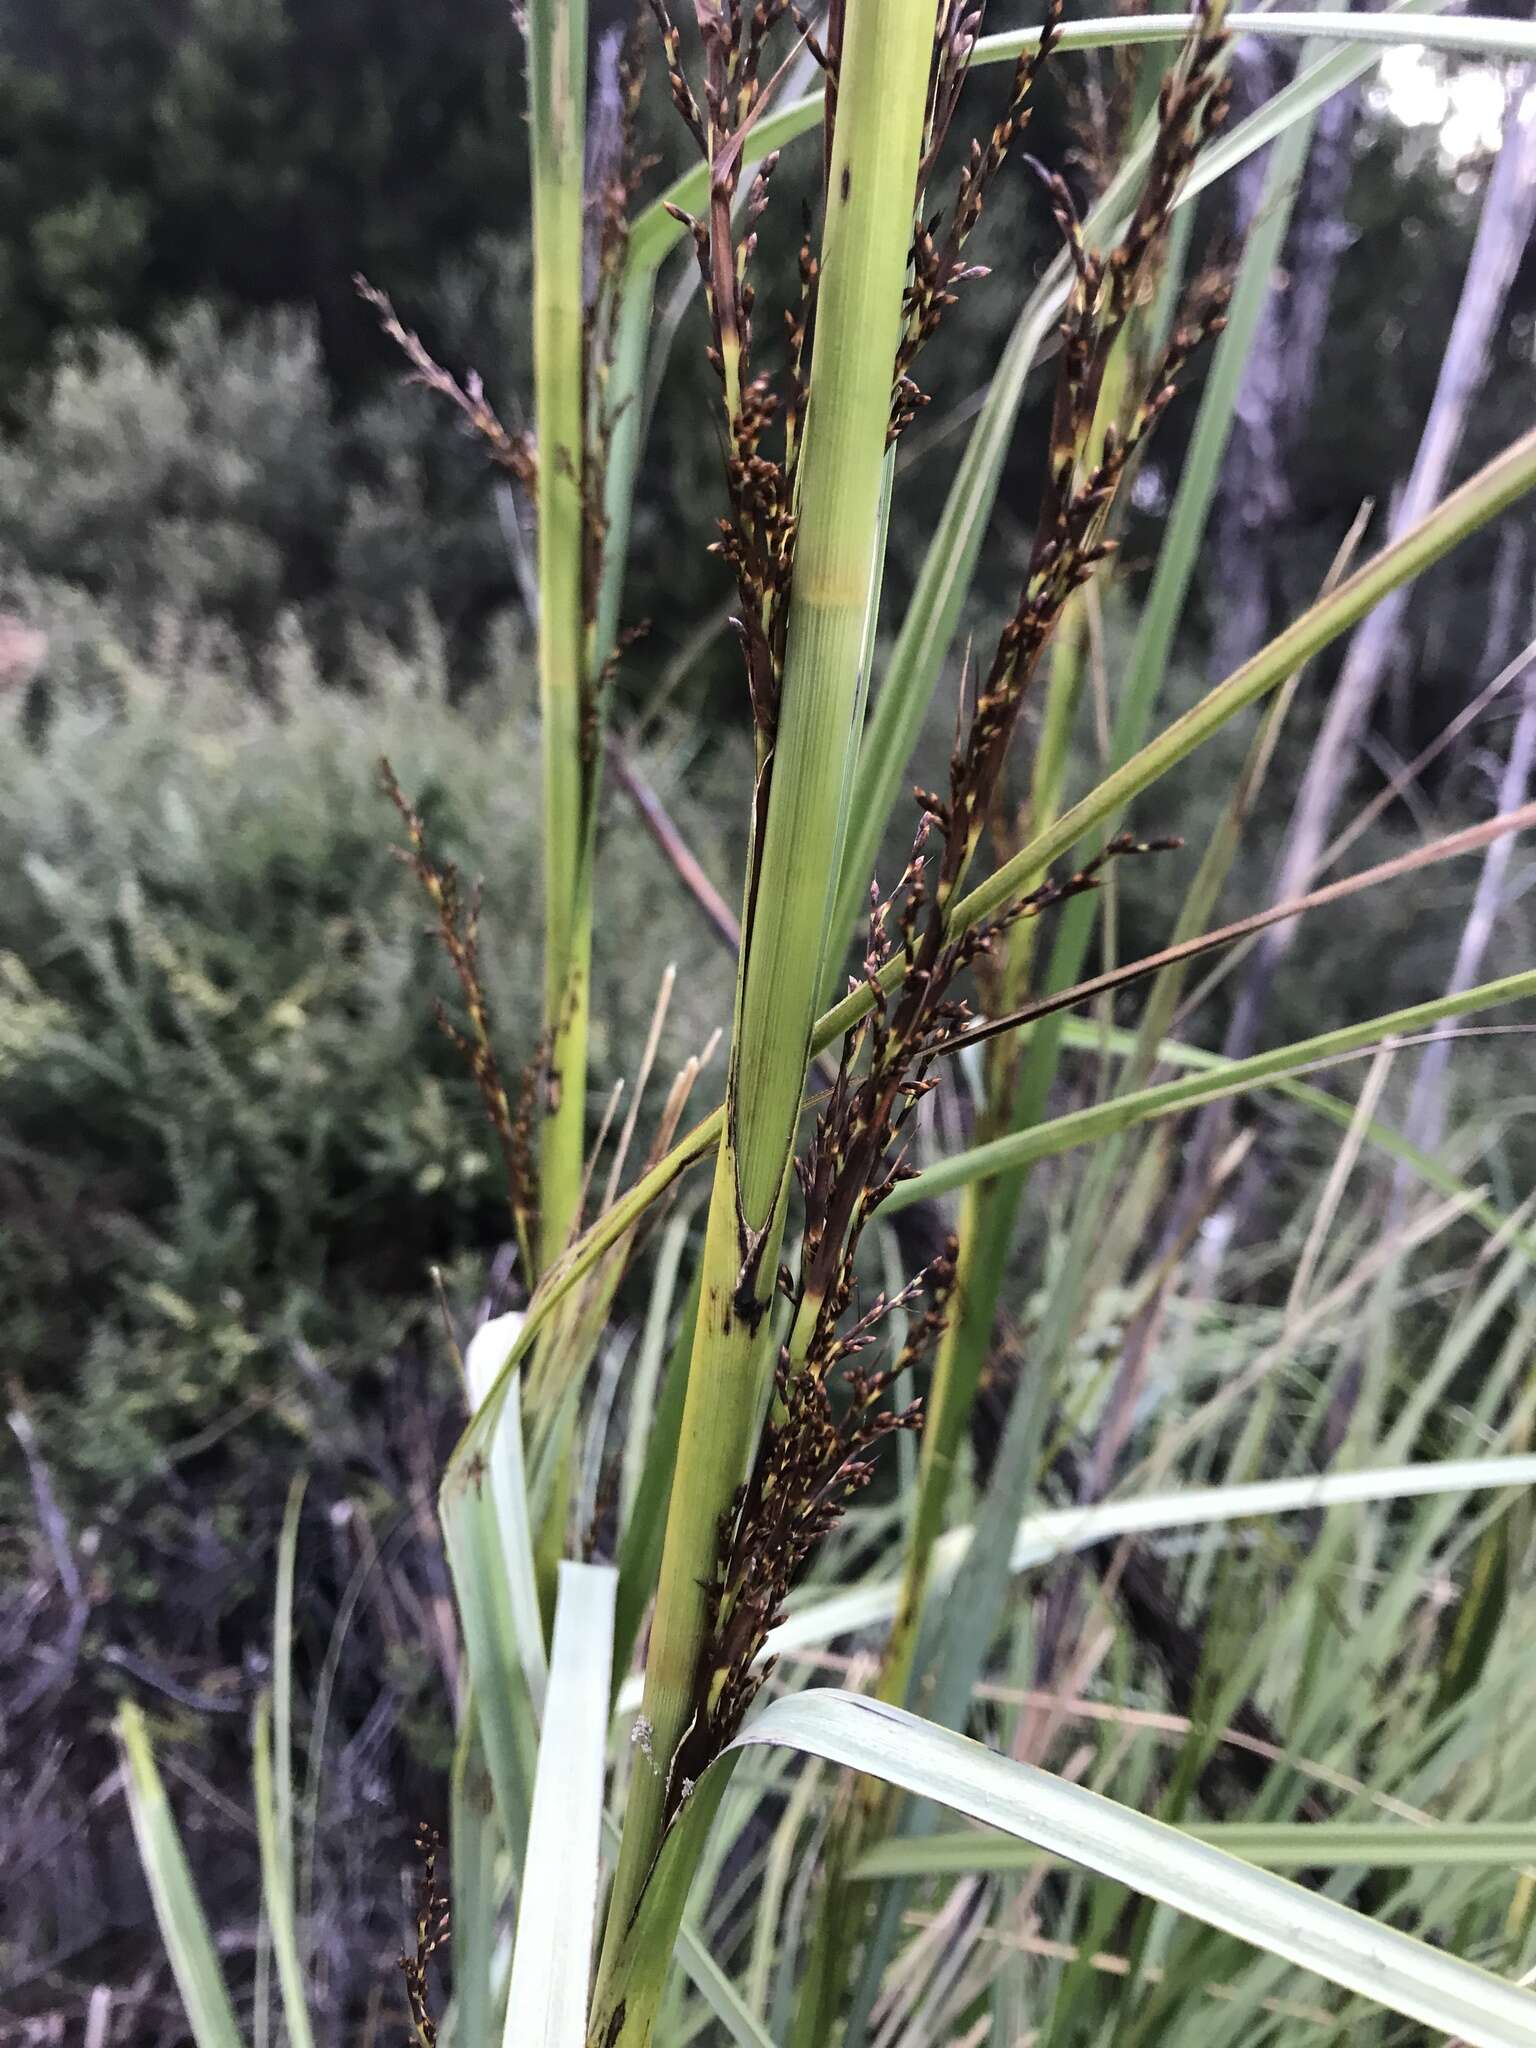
764, 414
614, 171
830, 1408
514, 453
458, 931
433, 1928
939, 266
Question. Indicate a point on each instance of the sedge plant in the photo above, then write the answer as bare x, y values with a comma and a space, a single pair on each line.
636, 1854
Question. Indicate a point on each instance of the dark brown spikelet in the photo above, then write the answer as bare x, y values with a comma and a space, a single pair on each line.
614, 170
764, 412
432, 1934
513, 453
458, 931
831, 1410
939, 263
1089, 459
830, 1414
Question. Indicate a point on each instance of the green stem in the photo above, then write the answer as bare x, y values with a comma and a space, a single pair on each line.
557, 56
793, 864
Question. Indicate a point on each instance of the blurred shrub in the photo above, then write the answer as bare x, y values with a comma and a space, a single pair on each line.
208, 477
232, 1137
198, 479
257, 150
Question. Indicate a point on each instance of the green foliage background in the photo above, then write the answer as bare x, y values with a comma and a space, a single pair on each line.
234, 1137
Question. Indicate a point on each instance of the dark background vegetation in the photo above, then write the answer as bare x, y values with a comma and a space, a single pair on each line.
237, 563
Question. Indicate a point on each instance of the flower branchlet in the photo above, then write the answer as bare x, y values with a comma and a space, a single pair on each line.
458, 931
830, 1413
615, 168
1192, 104
1089, 457
433, 1931
764, 414
830, 1410
939, 265
515, 454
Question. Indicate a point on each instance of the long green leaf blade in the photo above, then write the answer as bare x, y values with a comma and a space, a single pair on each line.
277, 1875
474, 1841
509, 1494
1273, 1845
274, 1785
508, 1726
1080, 1127
1053, 1531
655, 232
557, 1914
178, 1910
1158, 1861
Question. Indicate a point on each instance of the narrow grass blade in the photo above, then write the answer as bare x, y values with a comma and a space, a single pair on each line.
645, 1375
1469, 35
1273, 1845
626, 380
473, 1841
508, 1726
557, 1914
509, 1495
557, 67
275, 1841
1097, 1038
640, 1546
655, 231
719, 1993
1082, 1127
284, 1868
1158, 1861
1050, 1533
178, 1910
